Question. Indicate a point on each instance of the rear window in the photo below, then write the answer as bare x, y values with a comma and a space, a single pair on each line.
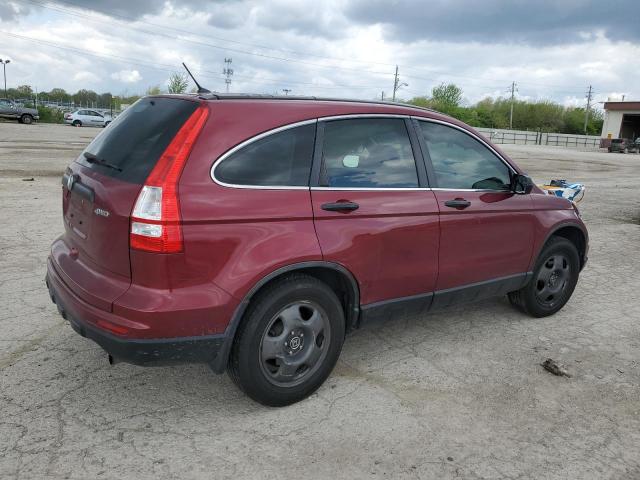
131, 145
617, 140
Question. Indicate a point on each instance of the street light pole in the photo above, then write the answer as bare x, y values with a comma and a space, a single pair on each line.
4, 68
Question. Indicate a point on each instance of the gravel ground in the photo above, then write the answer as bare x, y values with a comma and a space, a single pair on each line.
457, 394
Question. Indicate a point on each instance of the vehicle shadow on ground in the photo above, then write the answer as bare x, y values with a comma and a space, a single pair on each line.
86, 379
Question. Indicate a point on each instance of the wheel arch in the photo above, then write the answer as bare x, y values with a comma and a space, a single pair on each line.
339, 278
573, 232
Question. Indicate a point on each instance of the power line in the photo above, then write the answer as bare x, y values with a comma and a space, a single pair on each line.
171, 68
156, 25
261, 55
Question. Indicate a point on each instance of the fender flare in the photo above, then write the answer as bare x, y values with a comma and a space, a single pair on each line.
218, 365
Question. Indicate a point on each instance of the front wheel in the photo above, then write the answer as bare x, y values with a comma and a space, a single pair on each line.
554, 278
289, 341
26, 119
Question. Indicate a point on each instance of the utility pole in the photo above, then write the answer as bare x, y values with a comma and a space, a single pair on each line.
228, 72
4, 68
586, 113
397, 85
513, 92
286, 91
382, 96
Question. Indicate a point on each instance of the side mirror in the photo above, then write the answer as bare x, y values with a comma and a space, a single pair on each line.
521, 184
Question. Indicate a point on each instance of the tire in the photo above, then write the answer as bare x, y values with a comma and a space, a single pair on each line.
626, 150
270, 360
77, 123
26, 119
554, 279
106, 124
609, 149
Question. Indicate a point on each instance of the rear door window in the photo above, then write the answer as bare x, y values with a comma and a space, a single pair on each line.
282, 159
136, 139
367, 153
461, 162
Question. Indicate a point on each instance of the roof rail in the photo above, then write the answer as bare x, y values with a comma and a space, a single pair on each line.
252, 96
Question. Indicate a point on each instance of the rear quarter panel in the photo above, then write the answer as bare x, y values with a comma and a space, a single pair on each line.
236, 236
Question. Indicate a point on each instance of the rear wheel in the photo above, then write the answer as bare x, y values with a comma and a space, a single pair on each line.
554, 278
288, 342
26, 119
626, 150
77, 123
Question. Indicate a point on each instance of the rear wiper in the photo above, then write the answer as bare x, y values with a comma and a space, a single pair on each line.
91, 158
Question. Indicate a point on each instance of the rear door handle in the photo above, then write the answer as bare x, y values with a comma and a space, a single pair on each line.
340, 206
459, 203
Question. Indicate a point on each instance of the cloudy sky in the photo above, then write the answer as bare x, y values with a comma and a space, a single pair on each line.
344, 48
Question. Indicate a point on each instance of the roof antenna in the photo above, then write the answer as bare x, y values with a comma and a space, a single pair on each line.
200, 89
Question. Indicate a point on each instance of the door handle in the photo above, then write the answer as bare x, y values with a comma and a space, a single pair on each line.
340, 206
459, 203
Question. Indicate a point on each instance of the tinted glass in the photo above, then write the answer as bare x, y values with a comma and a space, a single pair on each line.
136, 139
462, 162
281, 159
368, 153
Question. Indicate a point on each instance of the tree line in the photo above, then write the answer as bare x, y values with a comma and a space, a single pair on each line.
177, 83
543, 115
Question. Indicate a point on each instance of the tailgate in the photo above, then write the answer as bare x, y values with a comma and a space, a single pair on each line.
92, 255
99, 191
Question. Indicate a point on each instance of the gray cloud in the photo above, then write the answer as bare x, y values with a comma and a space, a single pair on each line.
543, 22
302, 18
134, 9
11, 10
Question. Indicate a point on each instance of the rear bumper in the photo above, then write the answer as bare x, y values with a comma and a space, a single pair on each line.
138, 351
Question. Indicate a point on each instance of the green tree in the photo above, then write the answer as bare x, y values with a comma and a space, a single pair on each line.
85, 97
58, 95
177, 83
24, 91
448, 96
155, 90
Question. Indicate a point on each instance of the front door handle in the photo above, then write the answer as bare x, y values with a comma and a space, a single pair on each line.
340, 206
459, 203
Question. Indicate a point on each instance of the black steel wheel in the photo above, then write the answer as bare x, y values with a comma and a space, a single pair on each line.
288, 342
554, 278
294, 343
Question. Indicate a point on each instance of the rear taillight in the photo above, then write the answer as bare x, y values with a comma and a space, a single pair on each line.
156, 225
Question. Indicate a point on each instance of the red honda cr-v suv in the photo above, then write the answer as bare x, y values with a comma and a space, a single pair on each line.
251, 233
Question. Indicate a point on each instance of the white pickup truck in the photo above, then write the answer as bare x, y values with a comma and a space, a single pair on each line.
11, 110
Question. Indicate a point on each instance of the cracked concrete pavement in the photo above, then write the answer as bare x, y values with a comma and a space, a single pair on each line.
456, 394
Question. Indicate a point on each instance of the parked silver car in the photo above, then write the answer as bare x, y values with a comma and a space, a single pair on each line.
87, 118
